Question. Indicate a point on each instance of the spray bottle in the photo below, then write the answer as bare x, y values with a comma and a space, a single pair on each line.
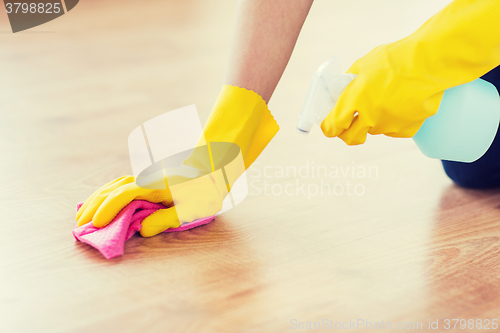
462, 130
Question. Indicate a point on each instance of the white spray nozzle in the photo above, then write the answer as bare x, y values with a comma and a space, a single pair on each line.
326, 87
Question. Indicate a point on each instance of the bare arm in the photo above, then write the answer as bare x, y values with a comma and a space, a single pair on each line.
265, 34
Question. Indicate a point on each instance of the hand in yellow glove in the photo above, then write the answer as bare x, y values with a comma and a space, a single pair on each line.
401, 84
189, 193
197, 188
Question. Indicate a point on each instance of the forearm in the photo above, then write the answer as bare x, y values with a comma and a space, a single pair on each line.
265, 34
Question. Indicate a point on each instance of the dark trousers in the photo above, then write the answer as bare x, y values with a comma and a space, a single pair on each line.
485, 172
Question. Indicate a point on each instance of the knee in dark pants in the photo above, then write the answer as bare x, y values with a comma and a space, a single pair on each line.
471, 175
483, 173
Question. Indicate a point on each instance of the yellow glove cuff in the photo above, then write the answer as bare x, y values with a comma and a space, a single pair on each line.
242, 117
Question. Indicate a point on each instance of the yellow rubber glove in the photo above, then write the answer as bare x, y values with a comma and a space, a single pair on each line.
240, 119
401, 84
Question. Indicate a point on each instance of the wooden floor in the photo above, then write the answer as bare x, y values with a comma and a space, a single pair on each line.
407, 247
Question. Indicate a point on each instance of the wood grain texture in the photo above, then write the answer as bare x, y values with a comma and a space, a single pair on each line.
412, 247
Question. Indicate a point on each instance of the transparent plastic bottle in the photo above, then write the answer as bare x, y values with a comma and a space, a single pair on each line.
462, 129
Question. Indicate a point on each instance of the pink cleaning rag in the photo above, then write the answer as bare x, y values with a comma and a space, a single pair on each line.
110, 240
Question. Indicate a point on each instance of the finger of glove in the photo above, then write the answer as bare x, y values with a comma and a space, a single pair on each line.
407, 132
356, 133
342, 115
115, 202
90, 206
96, 192
159, 221
354, 69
